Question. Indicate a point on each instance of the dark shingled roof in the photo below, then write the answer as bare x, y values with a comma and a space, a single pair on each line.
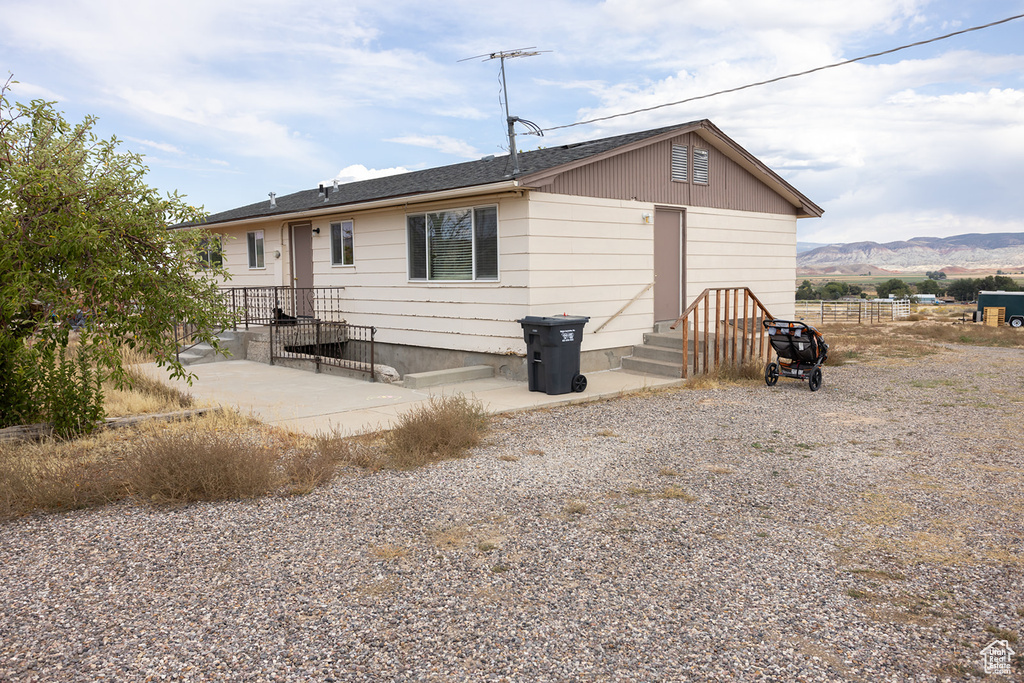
467, 174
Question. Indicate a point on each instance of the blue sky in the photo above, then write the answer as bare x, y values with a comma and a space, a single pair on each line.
229, 101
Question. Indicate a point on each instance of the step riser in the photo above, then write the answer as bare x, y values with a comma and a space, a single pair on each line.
671, 341
658, 353
649, 367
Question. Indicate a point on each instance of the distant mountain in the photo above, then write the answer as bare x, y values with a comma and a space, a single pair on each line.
801, 247
974, 251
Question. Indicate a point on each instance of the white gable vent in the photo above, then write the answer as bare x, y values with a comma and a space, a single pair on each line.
680, 166
700, 166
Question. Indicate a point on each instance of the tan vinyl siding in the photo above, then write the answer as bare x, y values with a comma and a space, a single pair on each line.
470, 316
591, 257
644, 174
730, 249
236, 257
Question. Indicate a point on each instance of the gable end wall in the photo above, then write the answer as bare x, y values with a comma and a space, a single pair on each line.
643, 175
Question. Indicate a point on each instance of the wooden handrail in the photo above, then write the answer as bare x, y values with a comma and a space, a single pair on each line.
735, 339
619, 312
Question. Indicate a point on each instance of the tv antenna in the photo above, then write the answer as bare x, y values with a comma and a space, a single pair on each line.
509, 119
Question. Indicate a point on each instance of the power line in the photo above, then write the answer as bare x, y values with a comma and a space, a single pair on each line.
782, 78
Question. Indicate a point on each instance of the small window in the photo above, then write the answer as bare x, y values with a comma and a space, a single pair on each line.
255, 242
341, 244
458, 244
210, 253
700, 166
680, 163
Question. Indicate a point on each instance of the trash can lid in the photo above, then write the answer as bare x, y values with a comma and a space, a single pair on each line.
551, 321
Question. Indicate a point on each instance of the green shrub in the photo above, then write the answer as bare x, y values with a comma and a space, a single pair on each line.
17, 405
72, 395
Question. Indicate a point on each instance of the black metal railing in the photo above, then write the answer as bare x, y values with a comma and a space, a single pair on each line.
184, 338
267, 305
324, 342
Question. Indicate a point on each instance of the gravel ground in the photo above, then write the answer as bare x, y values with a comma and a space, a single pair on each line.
871, 531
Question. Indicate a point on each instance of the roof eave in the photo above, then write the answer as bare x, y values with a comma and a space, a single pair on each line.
400, 200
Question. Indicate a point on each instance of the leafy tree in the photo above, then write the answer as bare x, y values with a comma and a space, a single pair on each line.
895, 287
929, 287
806, 291
84, 239
835, 290
965, 289
935, 275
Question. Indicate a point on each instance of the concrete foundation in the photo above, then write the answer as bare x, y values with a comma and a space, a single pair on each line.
417, 359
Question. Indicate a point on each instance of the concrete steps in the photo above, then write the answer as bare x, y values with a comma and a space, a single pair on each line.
204, 353
661, 354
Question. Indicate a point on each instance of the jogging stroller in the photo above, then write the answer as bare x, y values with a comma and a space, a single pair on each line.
801, 352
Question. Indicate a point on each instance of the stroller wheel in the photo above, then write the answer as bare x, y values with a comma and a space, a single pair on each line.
814, 382
771, 374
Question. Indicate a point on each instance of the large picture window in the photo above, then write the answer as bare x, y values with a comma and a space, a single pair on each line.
341, 244
458, 244
255, 242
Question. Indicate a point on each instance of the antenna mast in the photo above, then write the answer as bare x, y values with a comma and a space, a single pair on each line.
512, 120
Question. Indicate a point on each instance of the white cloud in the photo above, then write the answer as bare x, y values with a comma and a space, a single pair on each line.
272, 90
441, 143
161, 146
357, 172
21, 91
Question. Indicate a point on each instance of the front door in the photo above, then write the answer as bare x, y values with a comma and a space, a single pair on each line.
302, 269
669, 287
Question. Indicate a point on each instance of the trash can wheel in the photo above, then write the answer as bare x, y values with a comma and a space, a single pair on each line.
579, 383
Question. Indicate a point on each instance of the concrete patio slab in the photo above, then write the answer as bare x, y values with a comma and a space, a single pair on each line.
307, 402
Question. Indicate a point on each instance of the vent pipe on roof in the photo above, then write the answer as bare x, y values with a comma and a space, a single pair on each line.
273, 200
323, 192
335, 184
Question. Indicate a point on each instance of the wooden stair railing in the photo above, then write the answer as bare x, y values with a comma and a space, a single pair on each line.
736, 339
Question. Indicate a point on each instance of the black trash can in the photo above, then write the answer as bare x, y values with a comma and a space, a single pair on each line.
553, 352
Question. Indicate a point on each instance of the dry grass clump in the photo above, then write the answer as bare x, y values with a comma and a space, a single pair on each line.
914, 337
218, 456
574, 507
201, 465
851, 341
444, 428
728, 373
974, 334
32, 479
142, 395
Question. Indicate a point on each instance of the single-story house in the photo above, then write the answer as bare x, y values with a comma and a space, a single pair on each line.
443, 262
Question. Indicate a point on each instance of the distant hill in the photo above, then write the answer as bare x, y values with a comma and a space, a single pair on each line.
974, 251
801, 247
